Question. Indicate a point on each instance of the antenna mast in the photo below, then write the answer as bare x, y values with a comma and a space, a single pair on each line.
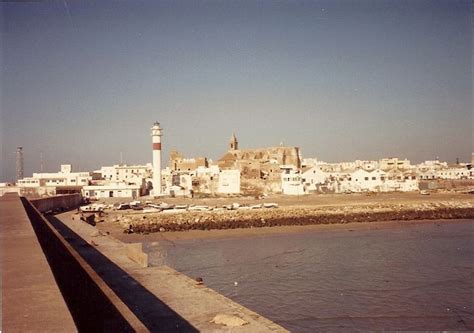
19, 163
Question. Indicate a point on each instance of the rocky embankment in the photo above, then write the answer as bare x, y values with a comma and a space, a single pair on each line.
254, 218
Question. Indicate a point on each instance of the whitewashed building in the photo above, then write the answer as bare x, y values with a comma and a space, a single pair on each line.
291, 181
453, 173
30, 182
177, 191
65, 177
313, 177
111, 190
394, 163
402, 181
362, 180
377, 181
229, 182
131, 174
211, 171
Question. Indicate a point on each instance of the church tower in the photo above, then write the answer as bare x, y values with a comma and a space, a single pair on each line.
233, 143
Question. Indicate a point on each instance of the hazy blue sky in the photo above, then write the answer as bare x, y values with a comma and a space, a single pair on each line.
82, 81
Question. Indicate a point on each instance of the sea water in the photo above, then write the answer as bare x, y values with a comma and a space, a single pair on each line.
418, 277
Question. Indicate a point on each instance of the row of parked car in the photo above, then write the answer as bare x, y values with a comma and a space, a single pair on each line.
148, 207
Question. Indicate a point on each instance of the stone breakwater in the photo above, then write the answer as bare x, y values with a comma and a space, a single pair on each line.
255, 218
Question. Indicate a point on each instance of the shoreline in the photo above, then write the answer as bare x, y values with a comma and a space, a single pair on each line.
337, 212
173, 236
188, 235
162, 298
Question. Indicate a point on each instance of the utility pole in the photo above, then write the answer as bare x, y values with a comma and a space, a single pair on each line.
19, 163
41, 162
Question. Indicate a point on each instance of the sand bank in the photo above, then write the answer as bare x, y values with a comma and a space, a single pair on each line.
172, 236
337, 212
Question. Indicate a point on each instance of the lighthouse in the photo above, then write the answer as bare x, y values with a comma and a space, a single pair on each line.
156, 139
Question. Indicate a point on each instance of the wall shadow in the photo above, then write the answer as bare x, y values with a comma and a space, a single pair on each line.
90, 308
152, 312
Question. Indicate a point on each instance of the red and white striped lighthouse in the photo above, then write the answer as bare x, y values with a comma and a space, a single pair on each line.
156, 139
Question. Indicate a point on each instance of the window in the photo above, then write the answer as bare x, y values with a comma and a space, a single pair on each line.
373, 178
366, 178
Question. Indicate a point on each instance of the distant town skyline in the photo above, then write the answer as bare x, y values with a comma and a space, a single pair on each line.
83, 82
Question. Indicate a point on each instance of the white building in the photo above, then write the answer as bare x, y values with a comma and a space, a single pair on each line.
65, 177
403, 181
111, 190
377, 180
229, 182
291, 181
456, 172
177, 191
313, 177
433, 164
30, 182
362, 180
394, 163
130, 174
309, 162
52, 183
211, 171
205, 179
427, 174
9, 188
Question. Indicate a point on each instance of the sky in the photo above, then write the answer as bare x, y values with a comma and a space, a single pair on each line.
82, 82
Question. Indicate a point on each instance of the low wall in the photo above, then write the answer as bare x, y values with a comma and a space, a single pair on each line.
61, 202
96, 308
136, 254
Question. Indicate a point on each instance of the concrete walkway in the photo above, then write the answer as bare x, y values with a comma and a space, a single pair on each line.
162, 298
31, 299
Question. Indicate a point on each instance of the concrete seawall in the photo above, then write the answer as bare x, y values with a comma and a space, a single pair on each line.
64, 275
62, 202
92, 304
31, 299
162, 298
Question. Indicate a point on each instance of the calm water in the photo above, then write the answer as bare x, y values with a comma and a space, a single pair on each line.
409, 278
